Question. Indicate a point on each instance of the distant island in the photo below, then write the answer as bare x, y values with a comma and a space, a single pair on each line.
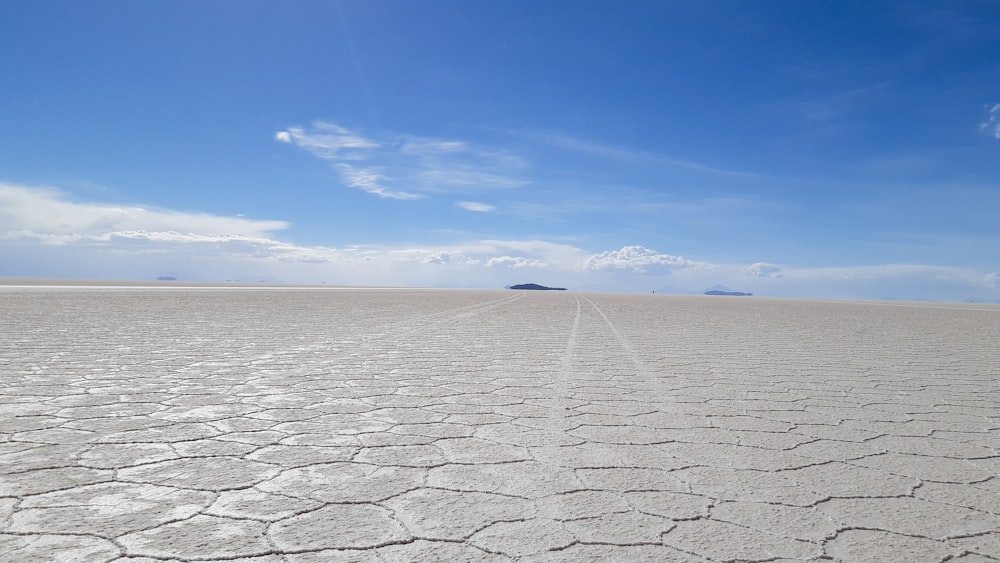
723, 290
720, 292
535, 286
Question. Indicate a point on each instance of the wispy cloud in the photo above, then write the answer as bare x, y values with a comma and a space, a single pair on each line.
475, 206
50, 213
403, 166
462, 178
991, 125
39, 222
329, 141
370, 180
425, 147
44, 232
588, 147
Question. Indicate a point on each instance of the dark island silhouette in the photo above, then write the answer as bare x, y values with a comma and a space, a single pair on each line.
723, 290
535, 286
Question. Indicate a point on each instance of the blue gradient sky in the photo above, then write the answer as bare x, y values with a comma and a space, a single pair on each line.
829, 149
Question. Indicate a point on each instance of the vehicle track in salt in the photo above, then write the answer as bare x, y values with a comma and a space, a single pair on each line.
395, 329
406, 327
406, 425
571, 340
621, 340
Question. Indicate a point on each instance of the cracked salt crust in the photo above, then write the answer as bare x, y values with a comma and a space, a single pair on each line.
289, 426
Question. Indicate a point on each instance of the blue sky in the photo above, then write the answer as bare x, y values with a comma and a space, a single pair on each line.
822, 149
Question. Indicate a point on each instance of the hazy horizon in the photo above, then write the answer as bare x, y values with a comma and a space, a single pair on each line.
847, 150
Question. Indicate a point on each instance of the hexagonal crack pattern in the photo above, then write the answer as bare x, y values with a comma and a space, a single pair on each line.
303, 424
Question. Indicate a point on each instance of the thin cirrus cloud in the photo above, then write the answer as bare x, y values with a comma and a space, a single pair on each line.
584, 146
383, 165
371, 180
991, 125
329, 141
475, 206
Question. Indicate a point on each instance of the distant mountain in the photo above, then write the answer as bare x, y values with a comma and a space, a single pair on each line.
718, 288
535, 286
723, 290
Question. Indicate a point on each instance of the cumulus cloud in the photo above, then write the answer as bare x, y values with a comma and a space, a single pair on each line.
44, 232
637, 259
496, 253
475, 206
763, 270
437, 258
406, 166
991, 125
515, 262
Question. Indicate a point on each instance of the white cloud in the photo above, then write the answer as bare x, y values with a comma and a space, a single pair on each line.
416, 163
763, 270
637, 259
437, 258
991, 125
475, 206
329, 141
494, 253
44, 233
371, 181
48, 213
515, 262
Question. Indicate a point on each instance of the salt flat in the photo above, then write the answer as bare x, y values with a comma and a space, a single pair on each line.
302, 424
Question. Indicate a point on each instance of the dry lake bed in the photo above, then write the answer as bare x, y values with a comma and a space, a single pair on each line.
277, 424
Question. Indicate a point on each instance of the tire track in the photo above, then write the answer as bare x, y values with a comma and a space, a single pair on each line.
392, 330
567, 358
427, 321
622, 341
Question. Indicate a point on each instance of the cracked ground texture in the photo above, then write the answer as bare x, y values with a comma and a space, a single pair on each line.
142, 424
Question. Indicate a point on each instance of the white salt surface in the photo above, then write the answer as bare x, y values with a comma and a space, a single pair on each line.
283, 424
